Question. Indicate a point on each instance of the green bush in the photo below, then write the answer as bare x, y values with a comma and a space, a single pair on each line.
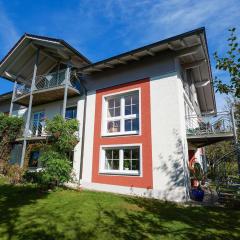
14, 173
63, 133
33, 177
10, 129
56, 168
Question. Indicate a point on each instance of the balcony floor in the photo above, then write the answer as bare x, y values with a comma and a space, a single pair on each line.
46, 95
207, 139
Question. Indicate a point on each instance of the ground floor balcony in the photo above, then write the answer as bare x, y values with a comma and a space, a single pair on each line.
48, 88
206, 130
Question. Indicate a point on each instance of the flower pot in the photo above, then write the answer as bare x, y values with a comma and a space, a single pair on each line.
198, 194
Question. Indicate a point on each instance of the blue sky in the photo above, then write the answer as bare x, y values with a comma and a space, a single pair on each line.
103, 28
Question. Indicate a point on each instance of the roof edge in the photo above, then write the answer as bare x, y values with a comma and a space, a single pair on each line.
197, 30
67, 45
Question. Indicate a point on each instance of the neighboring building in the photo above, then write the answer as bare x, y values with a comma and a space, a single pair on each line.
140, 113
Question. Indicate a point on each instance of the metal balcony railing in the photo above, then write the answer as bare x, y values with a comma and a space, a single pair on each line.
48, 81
209, 125
38, 129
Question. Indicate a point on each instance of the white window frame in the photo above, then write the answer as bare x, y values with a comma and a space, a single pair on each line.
122, 116
38, 123
102, 160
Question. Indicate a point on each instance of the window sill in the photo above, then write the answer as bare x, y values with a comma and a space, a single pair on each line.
136, 174
120, 134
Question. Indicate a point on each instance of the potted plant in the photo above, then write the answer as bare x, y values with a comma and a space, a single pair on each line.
197, 180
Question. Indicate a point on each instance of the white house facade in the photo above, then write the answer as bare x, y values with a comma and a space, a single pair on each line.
142, 114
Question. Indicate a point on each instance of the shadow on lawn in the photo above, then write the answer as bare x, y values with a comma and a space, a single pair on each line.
168, 220
12, 198
130, 219
37, 225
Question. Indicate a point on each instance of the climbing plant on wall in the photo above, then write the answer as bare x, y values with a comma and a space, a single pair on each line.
10, 129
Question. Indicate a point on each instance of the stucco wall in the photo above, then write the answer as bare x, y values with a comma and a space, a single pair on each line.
169, 144
147, 67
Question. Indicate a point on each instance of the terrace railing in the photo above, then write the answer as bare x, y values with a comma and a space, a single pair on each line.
48, 81
209, 125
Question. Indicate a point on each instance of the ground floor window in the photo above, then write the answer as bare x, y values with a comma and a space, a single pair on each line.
71, 112
121, 160
33, 160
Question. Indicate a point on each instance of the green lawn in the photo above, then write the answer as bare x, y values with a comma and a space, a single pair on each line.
27, 213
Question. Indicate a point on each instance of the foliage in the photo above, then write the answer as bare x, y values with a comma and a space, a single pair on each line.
54, 158
56, 168
10, 126
33, 177
218, 150
14, 173
63, 133
198, 172
27, 213
231, 64
10, 129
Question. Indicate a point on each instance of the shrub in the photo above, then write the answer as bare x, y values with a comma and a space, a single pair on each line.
14, 173
56, 168
33, 177
10, 129
63, 133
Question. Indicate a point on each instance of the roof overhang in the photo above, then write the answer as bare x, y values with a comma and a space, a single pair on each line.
192, 51
18, 63
6, 96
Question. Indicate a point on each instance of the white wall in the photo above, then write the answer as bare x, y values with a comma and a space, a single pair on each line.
169, 143
77, 149
88, 138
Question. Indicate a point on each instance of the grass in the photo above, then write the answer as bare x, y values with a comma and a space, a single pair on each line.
27, 213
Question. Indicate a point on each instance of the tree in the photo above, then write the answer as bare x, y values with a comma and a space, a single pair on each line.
54, 159
230, 64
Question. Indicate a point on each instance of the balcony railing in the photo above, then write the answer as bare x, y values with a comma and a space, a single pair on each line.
209, 125
48, 81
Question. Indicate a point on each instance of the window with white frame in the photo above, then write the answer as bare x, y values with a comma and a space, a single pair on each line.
120, 160
122, 114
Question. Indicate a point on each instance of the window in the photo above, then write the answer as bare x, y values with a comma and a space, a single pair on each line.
71, 113
33, 160
122, 114
120, 160
38, 123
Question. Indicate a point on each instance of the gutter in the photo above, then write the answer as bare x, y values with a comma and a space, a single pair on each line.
83, 131
206, 53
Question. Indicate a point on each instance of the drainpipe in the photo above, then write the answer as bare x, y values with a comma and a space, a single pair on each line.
83, 130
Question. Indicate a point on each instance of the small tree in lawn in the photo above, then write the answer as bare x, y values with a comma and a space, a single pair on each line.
231, 64
54, 159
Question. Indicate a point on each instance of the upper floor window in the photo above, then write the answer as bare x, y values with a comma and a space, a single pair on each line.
38, 123
71, 112
122, 114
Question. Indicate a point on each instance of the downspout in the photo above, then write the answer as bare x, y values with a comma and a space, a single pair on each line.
83, 131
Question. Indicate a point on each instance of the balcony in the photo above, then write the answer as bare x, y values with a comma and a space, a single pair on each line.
48, 88
205, 130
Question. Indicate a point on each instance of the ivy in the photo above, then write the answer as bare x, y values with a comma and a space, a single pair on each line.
10, 129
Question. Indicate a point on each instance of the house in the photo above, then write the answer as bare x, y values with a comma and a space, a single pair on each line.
142, 114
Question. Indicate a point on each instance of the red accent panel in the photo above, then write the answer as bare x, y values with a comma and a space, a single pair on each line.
144, 181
